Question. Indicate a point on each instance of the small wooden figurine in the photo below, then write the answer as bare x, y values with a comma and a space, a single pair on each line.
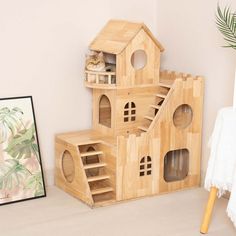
146, 134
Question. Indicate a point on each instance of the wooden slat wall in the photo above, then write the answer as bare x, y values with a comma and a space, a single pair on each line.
130, 151
79, 188
163, 137
126, 74
142, 97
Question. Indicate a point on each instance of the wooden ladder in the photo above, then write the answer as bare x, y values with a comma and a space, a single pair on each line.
155, 107
96, 173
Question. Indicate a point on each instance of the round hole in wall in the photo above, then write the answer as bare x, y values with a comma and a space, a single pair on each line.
68, 167
139, 59
183, 116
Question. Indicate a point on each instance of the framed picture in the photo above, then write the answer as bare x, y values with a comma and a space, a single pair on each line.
21, 173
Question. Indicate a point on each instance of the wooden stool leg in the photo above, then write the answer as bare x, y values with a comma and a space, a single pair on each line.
208, 210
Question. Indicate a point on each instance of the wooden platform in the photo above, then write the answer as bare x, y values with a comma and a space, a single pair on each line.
85, 137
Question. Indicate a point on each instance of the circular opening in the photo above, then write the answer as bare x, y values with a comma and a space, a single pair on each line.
183, 116
139, 59
68, 167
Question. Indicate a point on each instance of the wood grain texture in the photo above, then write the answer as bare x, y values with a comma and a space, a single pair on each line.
126, 74
208, 211
123, 39
123, 151
145, 115
117, 34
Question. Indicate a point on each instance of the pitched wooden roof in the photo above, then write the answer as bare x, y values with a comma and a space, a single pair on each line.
117, 34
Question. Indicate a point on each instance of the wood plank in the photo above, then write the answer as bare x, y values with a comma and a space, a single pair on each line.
97, 178
143, 128
92, 153
161, 95
101, 190
164, 85
99, 86
95, 165
85, 137
104, 203
149, 118
155, 106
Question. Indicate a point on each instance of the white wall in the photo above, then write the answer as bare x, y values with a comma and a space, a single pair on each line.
42, 48
188, 31
133, 10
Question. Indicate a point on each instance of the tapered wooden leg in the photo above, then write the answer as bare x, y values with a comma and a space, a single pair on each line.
208, 210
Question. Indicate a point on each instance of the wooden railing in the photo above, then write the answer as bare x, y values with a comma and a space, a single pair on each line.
100, 77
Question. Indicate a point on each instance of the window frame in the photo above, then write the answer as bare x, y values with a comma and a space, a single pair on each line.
145, 166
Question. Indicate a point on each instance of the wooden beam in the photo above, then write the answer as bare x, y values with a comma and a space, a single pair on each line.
92, 153
101, 190
95, 165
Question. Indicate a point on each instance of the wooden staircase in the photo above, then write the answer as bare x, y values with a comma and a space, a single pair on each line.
96, 173
155, 108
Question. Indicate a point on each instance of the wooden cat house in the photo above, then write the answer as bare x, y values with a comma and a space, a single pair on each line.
146, 129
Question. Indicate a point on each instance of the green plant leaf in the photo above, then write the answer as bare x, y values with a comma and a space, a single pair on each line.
12, 174
35, 182
226, 23
10, 122
23, 145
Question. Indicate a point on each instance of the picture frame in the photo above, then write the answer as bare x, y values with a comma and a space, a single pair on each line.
21, 172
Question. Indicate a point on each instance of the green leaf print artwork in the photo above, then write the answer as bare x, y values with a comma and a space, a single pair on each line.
23, 144
12, 174
21, 175
10, 122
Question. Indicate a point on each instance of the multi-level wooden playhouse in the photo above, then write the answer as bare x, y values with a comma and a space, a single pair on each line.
146, 134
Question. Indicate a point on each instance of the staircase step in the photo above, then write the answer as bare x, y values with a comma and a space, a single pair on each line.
95, 165
101, 190
164, 85
99, 177
161, 95
155, 106
149, 118
143, 128
92, 153
104, 203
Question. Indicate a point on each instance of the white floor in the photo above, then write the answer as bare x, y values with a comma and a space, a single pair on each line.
59, 214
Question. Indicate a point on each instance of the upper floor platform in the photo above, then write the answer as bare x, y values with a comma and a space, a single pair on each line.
133, 52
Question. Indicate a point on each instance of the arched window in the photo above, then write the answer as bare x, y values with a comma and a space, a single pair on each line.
129, 112
105, 111
145, 167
